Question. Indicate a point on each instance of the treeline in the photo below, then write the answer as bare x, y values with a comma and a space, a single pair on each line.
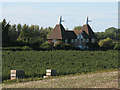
110, 39
23, 35
35, 37
111, 32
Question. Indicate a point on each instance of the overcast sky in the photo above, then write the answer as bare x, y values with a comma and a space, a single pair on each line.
102, 14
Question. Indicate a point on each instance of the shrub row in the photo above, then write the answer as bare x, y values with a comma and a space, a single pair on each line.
65, 62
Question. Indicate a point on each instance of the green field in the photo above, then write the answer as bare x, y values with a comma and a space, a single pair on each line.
65, 62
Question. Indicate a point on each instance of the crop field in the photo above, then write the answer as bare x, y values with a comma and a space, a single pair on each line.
65, 62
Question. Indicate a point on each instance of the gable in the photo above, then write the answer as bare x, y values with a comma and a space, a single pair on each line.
77, 32
80, 36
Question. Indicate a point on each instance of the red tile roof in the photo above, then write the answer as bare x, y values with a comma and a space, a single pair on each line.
58, 32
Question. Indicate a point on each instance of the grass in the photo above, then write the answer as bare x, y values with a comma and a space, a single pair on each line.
108, 79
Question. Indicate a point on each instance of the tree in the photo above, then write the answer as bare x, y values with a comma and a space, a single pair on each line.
109, 32
13, 34
106, 43
41, 28
24, 34
117, 47
47, 45
77, 28
19, 27
5, 30
31, 36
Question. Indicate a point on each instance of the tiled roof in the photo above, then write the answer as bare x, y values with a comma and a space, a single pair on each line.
89, 31
77, 32
58, 32
71, 35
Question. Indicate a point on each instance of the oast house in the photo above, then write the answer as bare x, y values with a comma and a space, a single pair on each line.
84, 38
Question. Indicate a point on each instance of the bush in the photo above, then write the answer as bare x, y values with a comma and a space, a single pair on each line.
47, 45
67, 46
117, 47
64, 61
106, 43
26, 48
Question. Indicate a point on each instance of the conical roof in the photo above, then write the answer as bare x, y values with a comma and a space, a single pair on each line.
88, 30
58, 32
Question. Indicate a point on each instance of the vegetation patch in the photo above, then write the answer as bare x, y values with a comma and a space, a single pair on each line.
35, 63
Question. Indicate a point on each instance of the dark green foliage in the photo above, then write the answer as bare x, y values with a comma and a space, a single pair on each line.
34, 37
111, 32
106, 43
26, 48
65, 62
5, 35
21, 35
47, 45
117, 47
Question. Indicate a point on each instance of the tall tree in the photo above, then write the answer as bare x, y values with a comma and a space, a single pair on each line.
5, 36
13, 33
19, 27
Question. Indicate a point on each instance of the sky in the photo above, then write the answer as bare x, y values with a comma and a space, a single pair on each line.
102, 14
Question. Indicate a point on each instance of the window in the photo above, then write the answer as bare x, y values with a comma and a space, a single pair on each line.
83, 47
87, 40
66, 41
72, 41
80, 46
83, 40
93, 40
75, 40
81, 36
80, 41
